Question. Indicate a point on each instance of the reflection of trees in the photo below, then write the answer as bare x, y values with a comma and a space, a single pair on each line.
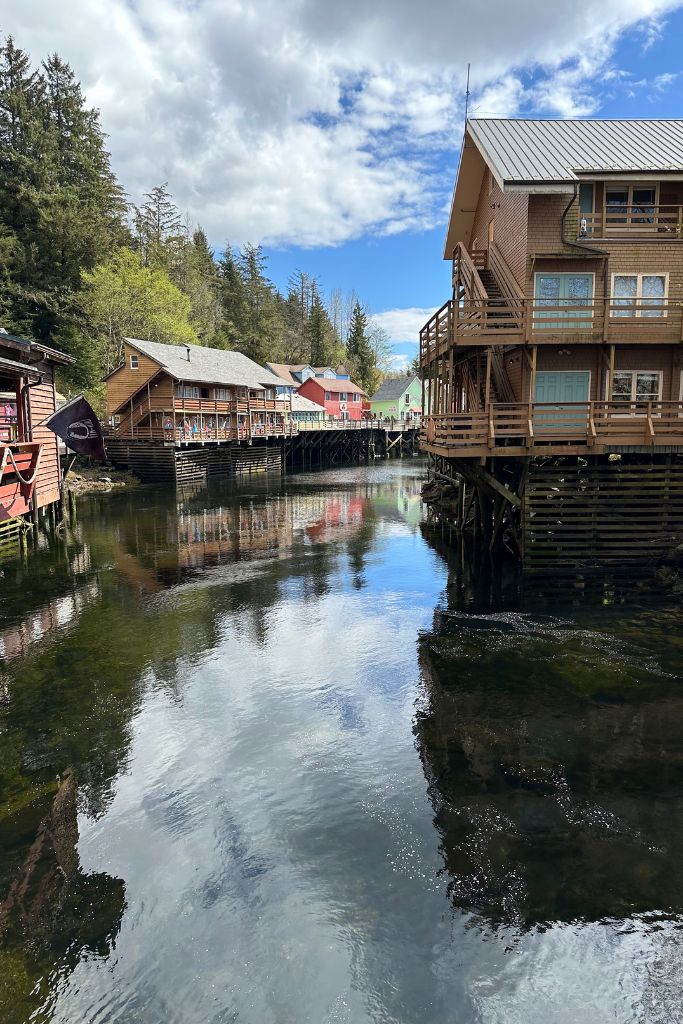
52, 910
554, 764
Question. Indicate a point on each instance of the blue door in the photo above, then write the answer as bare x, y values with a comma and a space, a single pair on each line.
556, 388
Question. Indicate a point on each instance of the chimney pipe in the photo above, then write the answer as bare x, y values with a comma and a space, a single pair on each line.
187, 349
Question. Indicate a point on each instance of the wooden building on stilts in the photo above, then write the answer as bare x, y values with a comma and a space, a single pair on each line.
554, 411
30, 470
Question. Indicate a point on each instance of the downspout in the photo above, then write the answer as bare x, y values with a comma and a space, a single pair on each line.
590, 249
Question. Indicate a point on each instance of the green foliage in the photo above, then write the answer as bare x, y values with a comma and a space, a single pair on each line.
359, 352
81, 269
123, 298
61, 209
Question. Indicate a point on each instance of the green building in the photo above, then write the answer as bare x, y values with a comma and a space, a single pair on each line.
399, 398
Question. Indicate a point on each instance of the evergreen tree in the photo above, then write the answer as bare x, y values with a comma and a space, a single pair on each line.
359, 351
158, 229
232, 298
261, 327
60, 206
323, 350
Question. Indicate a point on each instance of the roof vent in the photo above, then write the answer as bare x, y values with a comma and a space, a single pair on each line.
187, 349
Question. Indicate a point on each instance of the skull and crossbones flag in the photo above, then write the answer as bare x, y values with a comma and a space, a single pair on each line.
79, 428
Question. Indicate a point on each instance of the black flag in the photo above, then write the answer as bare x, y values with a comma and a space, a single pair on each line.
79, 428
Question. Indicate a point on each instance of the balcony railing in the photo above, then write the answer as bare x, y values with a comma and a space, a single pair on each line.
665, 222
487, 322
529, 425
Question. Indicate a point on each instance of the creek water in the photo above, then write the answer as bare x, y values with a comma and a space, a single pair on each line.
325, 776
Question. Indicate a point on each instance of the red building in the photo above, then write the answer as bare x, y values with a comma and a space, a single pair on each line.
341, 399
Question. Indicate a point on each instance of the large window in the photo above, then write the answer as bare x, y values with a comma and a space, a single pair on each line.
637, 386
636, 292
559, 290
632, 203
343, 396
186, 391
222, 394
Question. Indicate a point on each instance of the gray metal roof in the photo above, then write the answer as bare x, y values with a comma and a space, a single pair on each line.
392, 388
522, 151
207, 365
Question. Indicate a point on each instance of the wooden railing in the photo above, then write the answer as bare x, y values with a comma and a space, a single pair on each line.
664, 222
531, 424
466, 267
476, 322
507, 282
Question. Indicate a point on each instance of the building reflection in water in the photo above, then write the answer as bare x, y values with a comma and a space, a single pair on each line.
551, 736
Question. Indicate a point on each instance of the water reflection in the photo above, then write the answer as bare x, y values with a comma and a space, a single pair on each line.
231, 677
553, 748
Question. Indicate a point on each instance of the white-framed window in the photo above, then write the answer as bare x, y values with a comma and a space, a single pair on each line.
637, 386
222, 394
356, 397
134, 362
343, 396
187, 391
635, 292
328, 396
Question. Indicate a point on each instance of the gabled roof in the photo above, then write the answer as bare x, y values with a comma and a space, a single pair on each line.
30, 347
207, 365
287, 370
302, 404
544, 156
333, 384
392, 388
521, 151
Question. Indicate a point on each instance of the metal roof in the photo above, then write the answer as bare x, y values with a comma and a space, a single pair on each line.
207, 365
333, 384
392, 388
528, 152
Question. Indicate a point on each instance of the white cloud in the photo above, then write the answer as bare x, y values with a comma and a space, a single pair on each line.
312, 123
403, 324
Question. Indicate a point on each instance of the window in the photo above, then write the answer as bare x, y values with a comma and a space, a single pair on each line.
134, 362
571, 290
635, 291
637, 386
343, 396
328, 396
634, 203
407, 399
222, 394
186, 391
204, 392
356, 398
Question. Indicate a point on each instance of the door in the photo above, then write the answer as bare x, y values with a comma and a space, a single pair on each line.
555, 388
571, 290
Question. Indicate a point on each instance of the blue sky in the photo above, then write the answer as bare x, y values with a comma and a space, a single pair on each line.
329, 133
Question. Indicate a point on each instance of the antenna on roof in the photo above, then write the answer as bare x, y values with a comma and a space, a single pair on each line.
467, 93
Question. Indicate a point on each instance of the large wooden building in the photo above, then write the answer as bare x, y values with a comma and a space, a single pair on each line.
563, 335
30, 471
191, 394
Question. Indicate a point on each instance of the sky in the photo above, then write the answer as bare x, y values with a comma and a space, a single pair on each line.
330, 132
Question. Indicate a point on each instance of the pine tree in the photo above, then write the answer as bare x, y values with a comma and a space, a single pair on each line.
261, 328
158, 228
359, 351
321, 334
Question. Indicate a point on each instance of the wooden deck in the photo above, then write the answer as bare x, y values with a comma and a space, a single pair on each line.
519, 428
528, 321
